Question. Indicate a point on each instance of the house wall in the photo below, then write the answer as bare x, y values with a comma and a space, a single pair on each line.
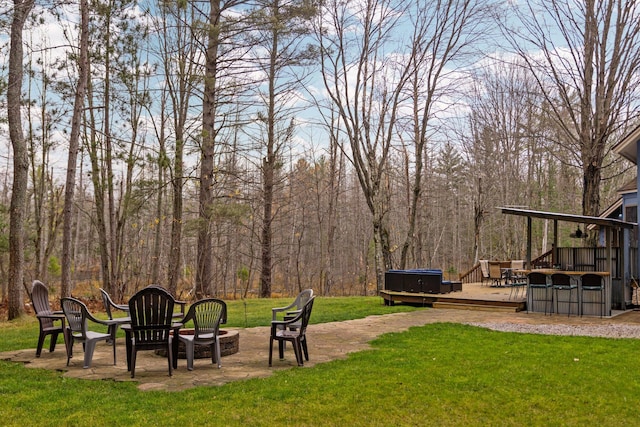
629, 240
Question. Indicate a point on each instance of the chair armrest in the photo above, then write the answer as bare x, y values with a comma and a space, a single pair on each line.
122, 307
182, 305
108, 322
53, 316
276, 310
292, 314
286, 322
188, 317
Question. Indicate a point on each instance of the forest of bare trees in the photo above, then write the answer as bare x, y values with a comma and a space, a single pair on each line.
256, 148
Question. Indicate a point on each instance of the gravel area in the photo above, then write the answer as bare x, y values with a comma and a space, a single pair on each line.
608, 331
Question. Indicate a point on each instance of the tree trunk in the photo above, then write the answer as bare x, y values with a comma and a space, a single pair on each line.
176, 223
267, 194
74, 138
20, 161
204, 271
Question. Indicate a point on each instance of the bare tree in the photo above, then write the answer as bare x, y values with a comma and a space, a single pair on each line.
226, 77
74, 143
281, 55
46, 196
584, 56
204, 273
444, 34
367, 88
179, 59
21, 10
118, 85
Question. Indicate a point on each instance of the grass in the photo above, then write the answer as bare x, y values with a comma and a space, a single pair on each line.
257, 312
440, 374
23, 333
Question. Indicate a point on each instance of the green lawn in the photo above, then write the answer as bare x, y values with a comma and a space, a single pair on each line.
439, 374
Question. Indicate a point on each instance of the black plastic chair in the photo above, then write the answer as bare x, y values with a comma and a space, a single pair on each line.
207, 315
47, 318
151, 312
592, 284
281, 332
182, 304
78, 318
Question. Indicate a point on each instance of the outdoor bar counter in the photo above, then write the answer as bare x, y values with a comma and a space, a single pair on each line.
588, 303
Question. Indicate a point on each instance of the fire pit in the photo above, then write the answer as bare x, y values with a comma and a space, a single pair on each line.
229, 344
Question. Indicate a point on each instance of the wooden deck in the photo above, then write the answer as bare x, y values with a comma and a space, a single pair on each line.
474, 296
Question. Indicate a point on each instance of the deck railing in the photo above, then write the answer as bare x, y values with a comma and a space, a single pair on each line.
577, 259
474, 275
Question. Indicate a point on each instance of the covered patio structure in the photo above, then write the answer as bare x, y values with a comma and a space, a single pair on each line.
607, 227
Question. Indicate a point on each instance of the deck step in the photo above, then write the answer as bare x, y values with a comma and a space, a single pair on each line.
477, 307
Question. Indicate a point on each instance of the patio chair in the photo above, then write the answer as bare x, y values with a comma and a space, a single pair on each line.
495, 274
281, 332
541, 291
517, 267
517, 279
151, 311
484, 269
592, 285
294, 308
108, 305
182, 304
517, 285
78, 318
47, 318
291, 310
207, 315
562, 284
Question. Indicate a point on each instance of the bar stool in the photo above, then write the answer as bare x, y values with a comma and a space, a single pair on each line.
592, 283
537, 285
562, 283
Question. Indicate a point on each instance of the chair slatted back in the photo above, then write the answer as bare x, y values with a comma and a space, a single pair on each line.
151, 311
76, 313
306, 315
207, 314
304, 297
40, 300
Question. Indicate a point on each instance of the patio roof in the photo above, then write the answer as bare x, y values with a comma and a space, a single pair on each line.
606, 222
